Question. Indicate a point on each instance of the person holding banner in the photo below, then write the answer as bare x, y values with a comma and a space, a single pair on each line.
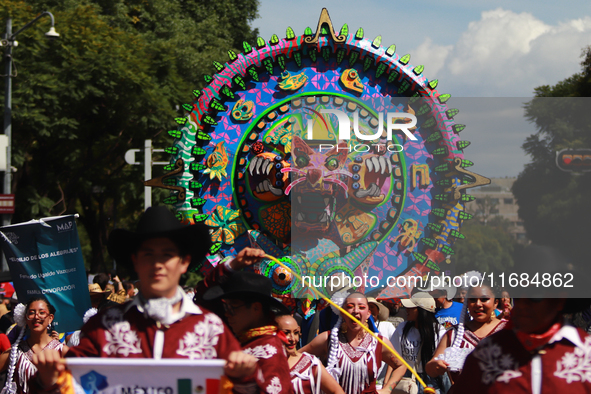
162, 321
35, 318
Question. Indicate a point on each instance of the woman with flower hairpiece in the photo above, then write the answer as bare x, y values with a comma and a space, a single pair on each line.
352, 355
34, 319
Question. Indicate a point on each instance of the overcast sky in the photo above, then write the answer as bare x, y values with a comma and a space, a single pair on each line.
474, 48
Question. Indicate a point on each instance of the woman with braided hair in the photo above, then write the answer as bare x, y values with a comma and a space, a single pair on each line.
352, 355
481, 302
308, 375
34, 319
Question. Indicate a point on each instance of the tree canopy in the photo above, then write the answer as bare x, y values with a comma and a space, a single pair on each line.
116, 76
553, 204
487, 248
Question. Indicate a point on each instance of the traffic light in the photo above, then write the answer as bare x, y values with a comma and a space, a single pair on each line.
574, 160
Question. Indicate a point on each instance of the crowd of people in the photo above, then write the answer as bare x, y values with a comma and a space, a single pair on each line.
477, 339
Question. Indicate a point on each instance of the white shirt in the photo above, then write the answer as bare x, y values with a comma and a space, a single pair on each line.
410, 349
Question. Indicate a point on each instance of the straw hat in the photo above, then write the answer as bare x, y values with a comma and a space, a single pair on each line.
383, 313
420, 300
95, 288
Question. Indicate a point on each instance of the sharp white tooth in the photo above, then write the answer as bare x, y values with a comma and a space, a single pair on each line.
388, 168
253, 164
275, 191
326, 201
300, 217
383, 164
258, 188
259, 162
369, 165
323, 217
266, 185
376, 164
269, 167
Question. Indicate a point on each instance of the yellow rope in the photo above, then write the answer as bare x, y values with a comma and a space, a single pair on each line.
428, 390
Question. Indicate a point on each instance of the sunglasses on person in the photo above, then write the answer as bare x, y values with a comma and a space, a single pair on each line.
231, 309
33, 314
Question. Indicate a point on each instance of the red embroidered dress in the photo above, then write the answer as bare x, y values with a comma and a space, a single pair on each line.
24, 367
471, 340
359, 366
273, 369
125, 331
501, 364
305, 375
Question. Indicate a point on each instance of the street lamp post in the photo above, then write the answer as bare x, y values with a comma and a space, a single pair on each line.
9, 41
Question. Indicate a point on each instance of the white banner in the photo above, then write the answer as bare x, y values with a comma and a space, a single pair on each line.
146, 376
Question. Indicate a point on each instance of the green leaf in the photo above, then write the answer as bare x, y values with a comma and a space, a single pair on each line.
353, 58
462, 144
197, 151
452, 112
175, 133
203, 136
443, 98
359, 34
198, 166
216, 105
218, 66
377, 42
209, 120
253, 74
344, 30
436, 136
457, 128
289, 34
381, 69
391, 50
198, 202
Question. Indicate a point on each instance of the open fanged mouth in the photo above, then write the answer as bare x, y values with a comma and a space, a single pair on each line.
377, 172
265, 186
313, 210
265, 175
260, 166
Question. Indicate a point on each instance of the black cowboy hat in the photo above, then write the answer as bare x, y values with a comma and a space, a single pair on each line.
159, 222
246, 285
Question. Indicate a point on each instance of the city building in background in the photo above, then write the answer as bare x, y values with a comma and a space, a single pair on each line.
497, 199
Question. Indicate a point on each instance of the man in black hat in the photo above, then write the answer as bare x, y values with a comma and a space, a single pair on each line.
162, 321
250, 311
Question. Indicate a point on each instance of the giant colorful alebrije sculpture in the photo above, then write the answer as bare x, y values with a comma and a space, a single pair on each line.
248, 161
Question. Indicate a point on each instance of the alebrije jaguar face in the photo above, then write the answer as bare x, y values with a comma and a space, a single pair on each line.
315, 180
